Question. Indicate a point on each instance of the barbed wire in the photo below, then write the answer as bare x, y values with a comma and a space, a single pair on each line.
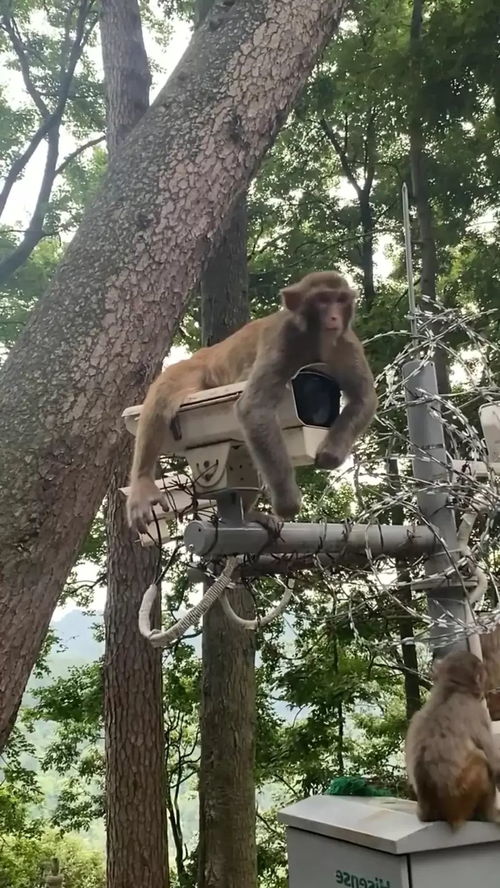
467, 495
474, 361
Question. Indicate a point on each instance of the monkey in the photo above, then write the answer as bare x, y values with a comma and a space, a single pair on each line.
451, 758
313, 325
490, 647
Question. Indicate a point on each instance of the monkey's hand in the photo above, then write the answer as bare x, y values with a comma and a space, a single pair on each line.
330, 455
144, 494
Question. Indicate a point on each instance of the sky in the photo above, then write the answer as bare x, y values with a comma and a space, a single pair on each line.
20, 203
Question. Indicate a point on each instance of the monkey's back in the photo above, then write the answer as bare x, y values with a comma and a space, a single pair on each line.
490, 646
446, 768
231, 359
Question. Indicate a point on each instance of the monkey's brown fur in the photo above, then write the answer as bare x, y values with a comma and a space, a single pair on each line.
313, 325
490, 646
451, 757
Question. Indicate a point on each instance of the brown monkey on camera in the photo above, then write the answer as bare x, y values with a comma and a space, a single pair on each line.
313, 326
451, 758
490, 647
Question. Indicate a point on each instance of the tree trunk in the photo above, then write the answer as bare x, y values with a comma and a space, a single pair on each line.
111, 311
136, 848
366, 216
420, 185
224, 283
127, 77
135, 768
227, 854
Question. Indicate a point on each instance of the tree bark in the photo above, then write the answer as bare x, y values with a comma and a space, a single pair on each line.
224, 283
136, 848
420, 185
135, 768
111, 311
227, 853
127, 77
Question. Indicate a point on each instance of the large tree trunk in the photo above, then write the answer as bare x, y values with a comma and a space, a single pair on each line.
227, 855
136, 849
420, 185
119, 293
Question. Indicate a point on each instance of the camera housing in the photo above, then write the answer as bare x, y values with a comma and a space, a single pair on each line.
206, 432
489, 417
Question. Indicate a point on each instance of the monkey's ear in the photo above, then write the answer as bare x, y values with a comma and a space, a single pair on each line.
292, 297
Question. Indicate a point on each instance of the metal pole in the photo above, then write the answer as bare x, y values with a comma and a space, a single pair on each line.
205, 538
430, 465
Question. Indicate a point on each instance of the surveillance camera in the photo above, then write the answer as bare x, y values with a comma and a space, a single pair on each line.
489, 416
207, 433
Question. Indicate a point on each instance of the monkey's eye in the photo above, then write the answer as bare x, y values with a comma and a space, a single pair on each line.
324, 298
342, 299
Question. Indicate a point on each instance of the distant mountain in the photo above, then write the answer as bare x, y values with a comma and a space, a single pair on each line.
75, 631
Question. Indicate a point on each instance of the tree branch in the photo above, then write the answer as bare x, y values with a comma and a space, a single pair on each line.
10, 27
370, 152
76, 153
342, 155
22, 160
34, 232
50, 129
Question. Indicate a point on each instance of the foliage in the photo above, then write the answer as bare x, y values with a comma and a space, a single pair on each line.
25, 861
328, 195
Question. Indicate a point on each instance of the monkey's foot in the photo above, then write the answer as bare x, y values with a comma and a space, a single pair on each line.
286, 504
269, 522
144, 494
330, 457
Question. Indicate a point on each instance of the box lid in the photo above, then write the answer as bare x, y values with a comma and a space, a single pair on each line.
385, 824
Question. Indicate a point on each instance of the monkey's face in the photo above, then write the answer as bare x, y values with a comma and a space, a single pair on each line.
463, 671
324, 299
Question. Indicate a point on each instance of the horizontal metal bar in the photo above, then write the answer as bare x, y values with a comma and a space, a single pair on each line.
205, 538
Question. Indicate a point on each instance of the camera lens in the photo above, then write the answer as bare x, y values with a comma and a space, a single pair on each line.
317, 398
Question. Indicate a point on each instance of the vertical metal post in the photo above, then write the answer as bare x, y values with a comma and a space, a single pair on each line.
430, 465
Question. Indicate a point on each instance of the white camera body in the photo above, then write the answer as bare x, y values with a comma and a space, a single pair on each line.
206, 432
489, 417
